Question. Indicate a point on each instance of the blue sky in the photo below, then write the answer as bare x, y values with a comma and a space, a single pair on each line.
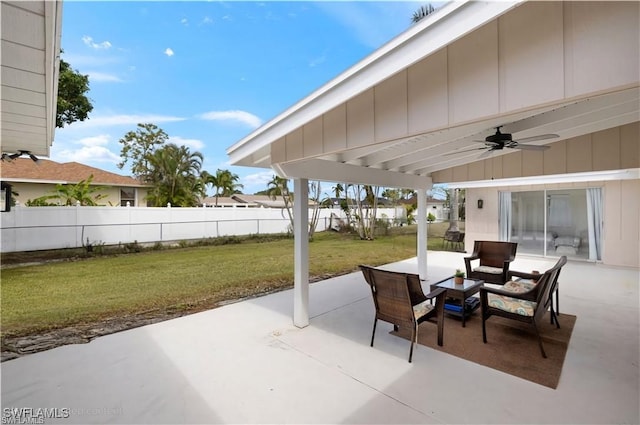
208, 73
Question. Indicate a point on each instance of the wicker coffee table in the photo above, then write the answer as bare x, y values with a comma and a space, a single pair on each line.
460, 292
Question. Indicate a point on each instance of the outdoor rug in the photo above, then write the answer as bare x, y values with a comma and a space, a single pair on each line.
512, 347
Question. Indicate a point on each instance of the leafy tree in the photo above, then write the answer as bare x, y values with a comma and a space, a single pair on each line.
422, 13
392, 195
174, 172
72, 104
410, 209
408, 194
42, 201
67, 194
139, 146
224, 183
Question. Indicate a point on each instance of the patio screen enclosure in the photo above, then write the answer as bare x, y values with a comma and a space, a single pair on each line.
553, 222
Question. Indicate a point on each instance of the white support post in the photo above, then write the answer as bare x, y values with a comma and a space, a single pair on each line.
301, 253
422, 234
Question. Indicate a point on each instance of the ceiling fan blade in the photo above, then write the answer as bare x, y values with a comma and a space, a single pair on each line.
486, 153
468, 150
530, 147
538, 137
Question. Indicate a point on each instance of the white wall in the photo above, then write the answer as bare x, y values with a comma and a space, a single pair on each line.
40, 228
621, 232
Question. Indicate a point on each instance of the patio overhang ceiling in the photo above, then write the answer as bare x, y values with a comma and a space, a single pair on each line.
30, 42
402, 113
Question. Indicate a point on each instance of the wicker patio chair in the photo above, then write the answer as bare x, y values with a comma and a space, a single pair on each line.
495, 257
399, 300
528, 306
453, 239
524, 281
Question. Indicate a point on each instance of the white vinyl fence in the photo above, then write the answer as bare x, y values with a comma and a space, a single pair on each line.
40, 228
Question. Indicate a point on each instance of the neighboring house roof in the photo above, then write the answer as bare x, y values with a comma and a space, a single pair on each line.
414, 200
240, 199
51, 172
263, 200
224, 201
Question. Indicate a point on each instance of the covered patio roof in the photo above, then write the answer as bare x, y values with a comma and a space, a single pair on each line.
406, 111
407, 115
30, 44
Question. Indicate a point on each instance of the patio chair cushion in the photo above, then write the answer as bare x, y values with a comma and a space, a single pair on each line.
423, 308
518, 286
488, 269
512, 305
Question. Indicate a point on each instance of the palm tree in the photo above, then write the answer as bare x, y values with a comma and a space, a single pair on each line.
280, 187
337, 190
175, 175
81, 192
422, 13
224, 182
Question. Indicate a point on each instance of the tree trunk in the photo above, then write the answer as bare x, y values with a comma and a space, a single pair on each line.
453, 211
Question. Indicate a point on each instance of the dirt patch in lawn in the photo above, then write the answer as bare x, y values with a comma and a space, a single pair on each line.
16, 346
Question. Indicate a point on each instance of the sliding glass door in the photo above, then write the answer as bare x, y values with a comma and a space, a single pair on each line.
553, 222
528, 221
567, 222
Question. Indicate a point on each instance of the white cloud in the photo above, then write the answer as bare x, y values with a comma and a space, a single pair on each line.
103, 77
256, 179
168, 52
93, 149
240, 116
184, 21
207, 20
99, 140
89, 42
88, 154
317, 61
122, 120
194, 144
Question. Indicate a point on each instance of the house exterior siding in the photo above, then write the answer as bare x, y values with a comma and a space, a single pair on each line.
621, 227
617, 148
31, 191
31, 181
613, 149
537, 54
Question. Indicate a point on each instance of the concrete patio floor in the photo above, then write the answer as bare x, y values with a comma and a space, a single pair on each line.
247, 363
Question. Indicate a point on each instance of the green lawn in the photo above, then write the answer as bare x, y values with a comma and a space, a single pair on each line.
54, 295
